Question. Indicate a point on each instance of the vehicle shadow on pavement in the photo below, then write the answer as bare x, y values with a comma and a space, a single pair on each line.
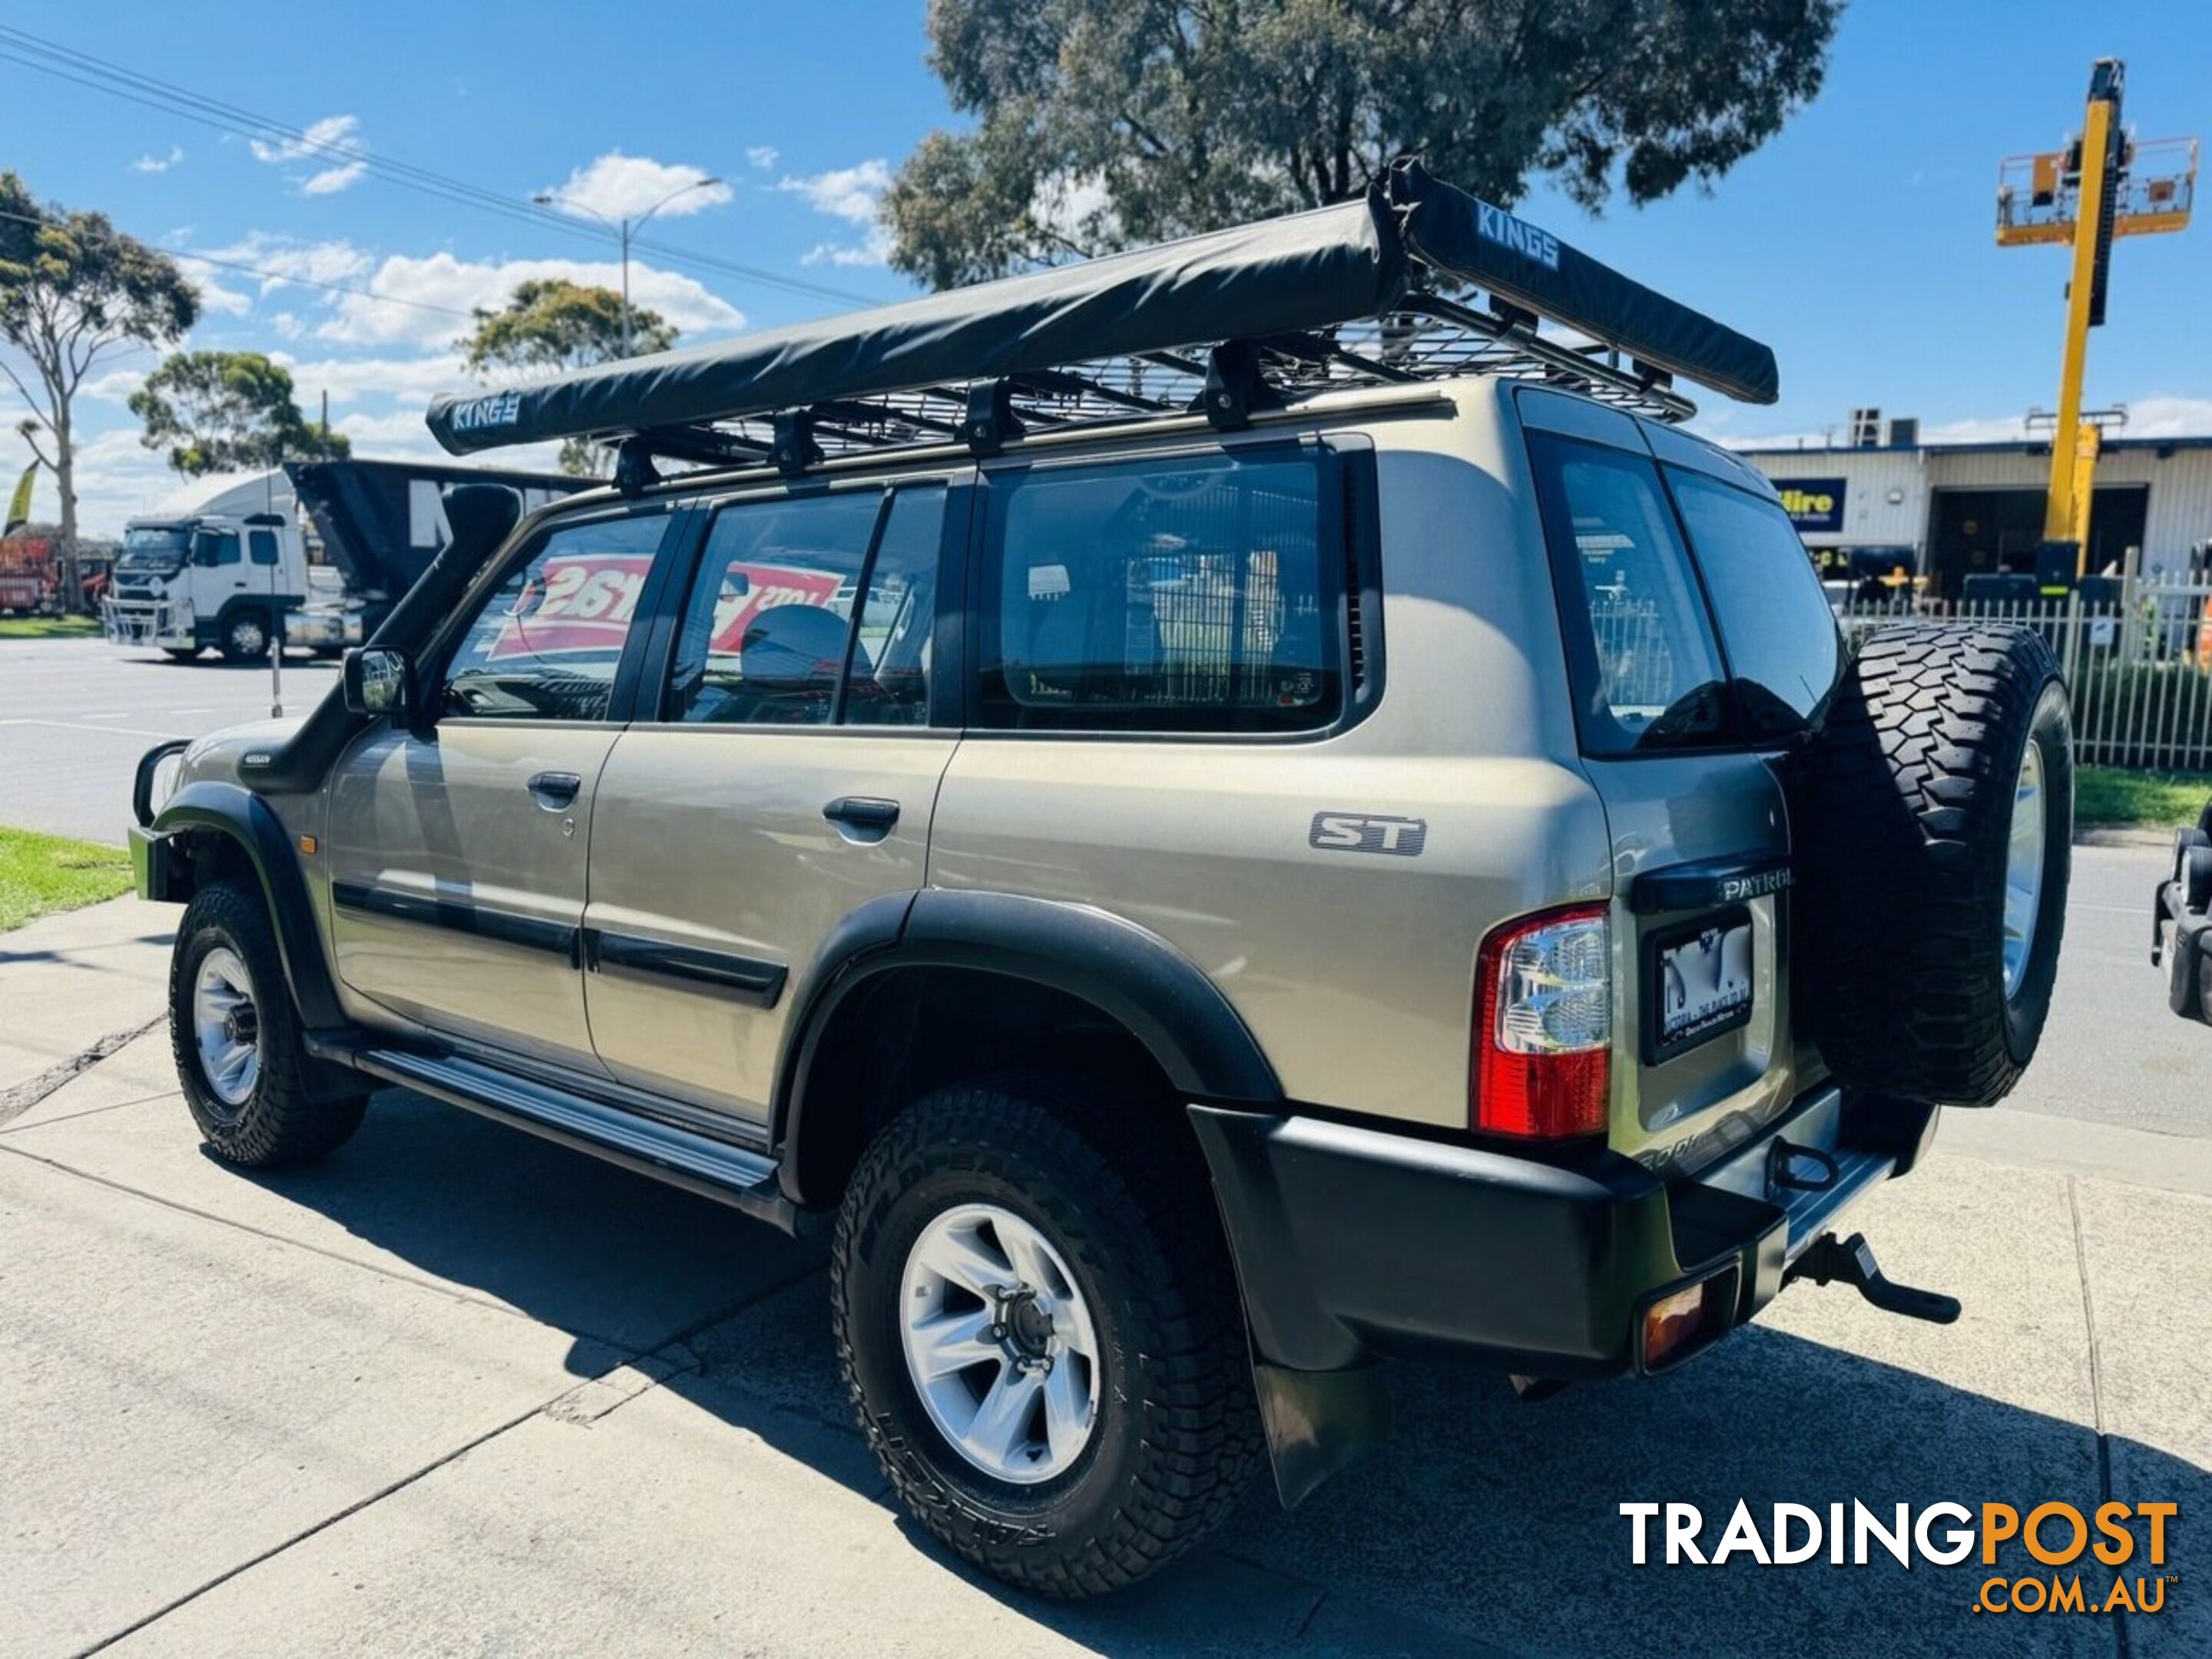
1486, 1523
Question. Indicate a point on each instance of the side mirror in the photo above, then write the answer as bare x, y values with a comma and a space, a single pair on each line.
378, 681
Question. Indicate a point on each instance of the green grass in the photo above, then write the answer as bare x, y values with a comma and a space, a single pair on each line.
41, 874
48, 627
2155, 800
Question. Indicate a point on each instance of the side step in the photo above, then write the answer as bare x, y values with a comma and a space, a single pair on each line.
732, 1174
1825, 1262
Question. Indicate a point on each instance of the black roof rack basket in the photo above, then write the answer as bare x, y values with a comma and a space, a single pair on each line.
1415, 280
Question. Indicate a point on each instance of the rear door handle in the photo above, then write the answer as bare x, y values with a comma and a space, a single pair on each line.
862, 812
555, 790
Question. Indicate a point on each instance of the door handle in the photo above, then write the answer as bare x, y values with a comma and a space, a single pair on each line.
862, 812
555, 790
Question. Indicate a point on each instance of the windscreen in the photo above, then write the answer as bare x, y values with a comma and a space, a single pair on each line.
154, 547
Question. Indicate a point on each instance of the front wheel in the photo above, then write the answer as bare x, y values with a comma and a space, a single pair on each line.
245, 637
239, 1050
1038, 1320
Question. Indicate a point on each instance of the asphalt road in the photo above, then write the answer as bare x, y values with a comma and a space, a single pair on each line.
76, 714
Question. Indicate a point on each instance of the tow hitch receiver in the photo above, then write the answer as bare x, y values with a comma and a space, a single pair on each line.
1825, 1262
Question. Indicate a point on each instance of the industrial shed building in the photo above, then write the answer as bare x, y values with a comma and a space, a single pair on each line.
1948, 511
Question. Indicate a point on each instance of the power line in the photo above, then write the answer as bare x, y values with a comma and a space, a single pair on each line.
32, 52
271, 275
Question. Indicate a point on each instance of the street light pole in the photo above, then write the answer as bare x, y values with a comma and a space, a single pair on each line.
623, 229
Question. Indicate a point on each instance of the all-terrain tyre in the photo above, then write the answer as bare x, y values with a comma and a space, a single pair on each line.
1084, 1185
251, 1085
1934, 822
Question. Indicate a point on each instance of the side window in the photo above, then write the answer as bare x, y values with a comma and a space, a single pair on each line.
1774, 620
889, 684
787, 590
1648, 674
1161, 595
546, 642
261, 546
214, 547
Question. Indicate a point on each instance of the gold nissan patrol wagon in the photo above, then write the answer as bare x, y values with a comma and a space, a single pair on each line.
1212, 817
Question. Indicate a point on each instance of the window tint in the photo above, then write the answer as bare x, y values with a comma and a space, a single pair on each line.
261, 546
772, 612
1775, 622
1174, 595
212, 547
890, 682
1641, 649
545, 645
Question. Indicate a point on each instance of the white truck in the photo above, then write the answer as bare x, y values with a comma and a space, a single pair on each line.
312, 554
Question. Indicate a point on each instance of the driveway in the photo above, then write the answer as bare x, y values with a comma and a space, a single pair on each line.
458, 1390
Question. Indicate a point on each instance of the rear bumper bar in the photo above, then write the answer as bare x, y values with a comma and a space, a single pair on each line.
1352, 1242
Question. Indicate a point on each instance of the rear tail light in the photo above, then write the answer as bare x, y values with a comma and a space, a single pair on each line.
1543, 1026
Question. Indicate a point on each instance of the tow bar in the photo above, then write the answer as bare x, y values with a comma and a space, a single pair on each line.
1826, 1262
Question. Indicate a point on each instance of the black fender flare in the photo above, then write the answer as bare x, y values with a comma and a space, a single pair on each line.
1127, 972
210, 806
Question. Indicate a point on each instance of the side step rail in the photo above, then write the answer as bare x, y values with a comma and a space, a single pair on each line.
732, 1174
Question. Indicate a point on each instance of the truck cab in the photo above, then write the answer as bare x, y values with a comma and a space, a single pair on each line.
224, 574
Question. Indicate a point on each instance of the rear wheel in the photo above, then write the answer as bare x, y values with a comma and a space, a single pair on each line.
1038, 1320
237, 1044
1934, 821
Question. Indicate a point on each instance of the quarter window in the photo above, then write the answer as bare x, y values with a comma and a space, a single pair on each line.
1775, 622
545, 644
1648, 674
1165, 595
261, 546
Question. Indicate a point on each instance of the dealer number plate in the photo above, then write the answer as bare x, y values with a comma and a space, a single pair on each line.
1705, 983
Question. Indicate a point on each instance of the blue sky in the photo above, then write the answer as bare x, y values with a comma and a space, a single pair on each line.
1858, 243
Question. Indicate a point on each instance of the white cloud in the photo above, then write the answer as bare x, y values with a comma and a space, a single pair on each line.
215, 298
331, 180
332, 133
115, 386
462, 286
116, 478
412, 380
853, 194
284, 261
151, 163
850, 193
2164, 415
615, 186
330, 139
2161, 415
873, 250
762, 155
288, 325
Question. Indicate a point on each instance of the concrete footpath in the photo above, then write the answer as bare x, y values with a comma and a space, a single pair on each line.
458, 1391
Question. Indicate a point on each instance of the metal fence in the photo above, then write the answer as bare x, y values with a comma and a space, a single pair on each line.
2138, 668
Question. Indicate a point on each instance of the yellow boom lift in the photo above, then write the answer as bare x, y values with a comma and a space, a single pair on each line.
2102, 185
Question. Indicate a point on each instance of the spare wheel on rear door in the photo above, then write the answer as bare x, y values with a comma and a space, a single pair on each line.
1932, 820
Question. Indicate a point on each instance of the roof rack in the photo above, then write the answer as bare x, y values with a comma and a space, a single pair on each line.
1374, 292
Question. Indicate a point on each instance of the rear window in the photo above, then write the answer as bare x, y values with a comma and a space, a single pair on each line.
1775, 621
1639, 644
1189, 594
